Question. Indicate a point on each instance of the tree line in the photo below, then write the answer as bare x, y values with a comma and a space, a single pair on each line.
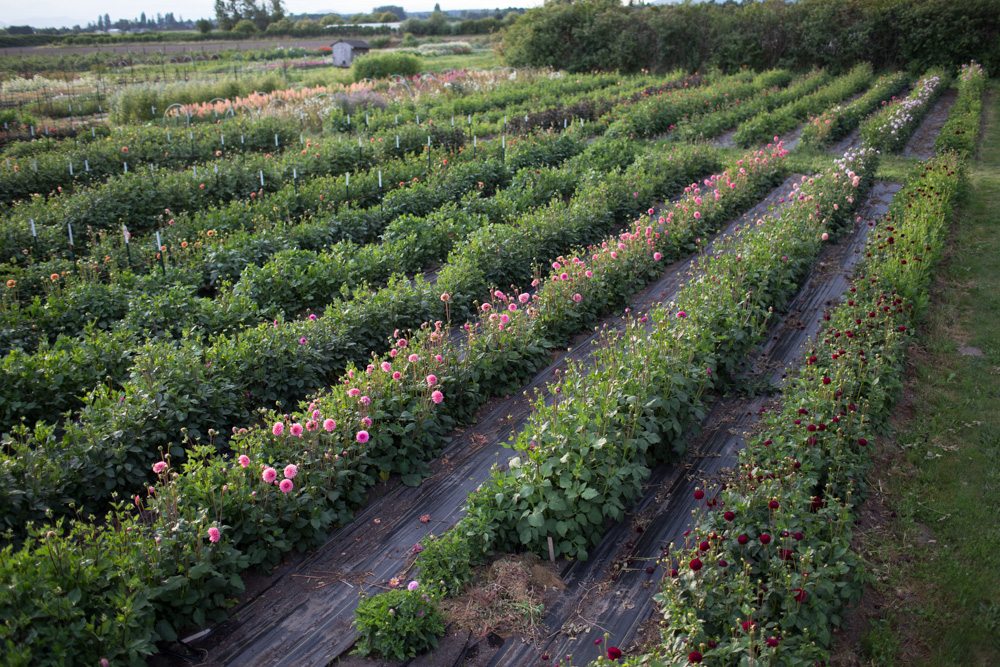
587, 35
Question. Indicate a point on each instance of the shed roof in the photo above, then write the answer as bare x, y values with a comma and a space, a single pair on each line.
356, 43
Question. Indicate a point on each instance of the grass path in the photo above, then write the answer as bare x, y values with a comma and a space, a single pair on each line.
933, 538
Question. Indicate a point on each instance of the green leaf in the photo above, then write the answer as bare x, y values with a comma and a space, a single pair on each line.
165, 631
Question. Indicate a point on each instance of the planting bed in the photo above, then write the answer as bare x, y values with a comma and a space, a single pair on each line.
609, 596
364, 555
200, 377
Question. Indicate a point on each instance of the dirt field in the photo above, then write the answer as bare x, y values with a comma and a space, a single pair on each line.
174, 47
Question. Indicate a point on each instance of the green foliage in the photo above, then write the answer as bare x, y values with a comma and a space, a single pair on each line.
578, 36
244, 27
795, 586
68, 164
398, 624
148, 102
837, 34
835, 123
889, 129
382, 65
961, 130
761, 128
582, 458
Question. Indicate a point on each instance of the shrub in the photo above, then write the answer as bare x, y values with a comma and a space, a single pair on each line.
399, 624
245, 27
382, 65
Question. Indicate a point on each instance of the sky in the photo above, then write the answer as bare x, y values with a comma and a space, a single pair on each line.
59, 13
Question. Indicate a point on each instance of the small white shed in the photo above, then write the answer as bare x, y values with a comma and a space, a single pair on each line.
346, 50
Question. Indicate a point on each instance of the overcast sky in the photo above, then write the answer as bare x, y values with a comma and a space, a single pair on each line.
58, 13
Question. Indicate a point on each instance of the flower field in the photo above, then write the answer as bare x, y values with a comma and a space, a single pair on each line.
403, 329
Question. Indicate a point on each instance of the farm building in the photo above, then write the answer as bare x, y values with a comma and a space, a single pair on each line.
346, 50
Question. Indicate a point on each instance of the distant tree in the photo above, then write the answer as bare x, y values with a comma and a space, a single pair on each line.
331, 19
277, 10
399, 12
245, 27
142, 19
282, 27
223, 16
20, 30
100, 23
204, 26
230, 13
107, 22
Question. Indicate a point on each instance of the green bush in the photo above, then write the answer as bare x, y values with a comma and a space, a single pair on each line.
148, 101
399, 624
604, 35
381, 65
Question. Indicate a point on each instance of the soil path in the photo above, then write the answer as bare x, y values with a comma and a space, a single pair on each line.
921, 144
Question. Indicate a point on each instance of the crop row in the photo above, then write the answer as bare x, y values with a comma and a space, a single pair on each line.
961, 130
69, 166
198, 392
708, 125
659, 114
42, 145
64, 372
556, 111
483, 92
768, 567
487, 119
24, 247
140, 199
762, 127
114, 252
889, 129
207, 250
346, 197
585, 452
215, 516
837, 122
